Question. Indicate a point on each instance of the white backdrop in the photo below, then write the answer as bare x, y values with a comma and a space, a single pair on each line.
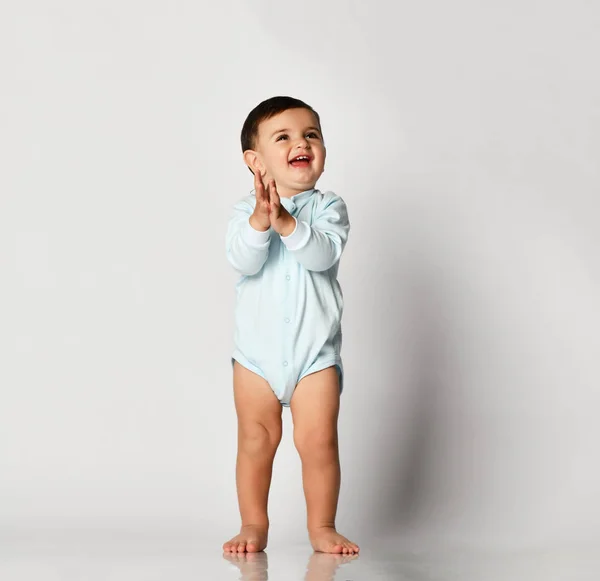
464, 138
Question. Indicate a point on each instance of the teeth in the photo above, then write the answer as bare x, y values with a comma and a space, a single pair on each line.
301, 158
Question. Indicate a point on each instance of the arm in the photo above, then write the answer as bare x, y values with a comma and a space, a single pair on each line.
247, 248
320, 245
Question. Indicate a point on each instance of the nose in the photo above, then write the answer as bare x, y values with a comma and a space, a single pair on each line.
303, 142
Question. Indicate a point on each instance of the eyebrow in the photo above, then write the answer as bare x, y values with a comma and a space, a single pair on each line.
307, 129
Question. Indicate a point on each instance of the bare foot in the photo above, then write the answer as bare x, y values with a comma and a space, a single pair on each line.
328, 540
253, 566
251, 539
323, 566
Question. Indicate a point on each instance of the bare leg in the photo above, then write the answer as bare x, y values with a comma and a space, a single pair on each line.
259, 433
315, 407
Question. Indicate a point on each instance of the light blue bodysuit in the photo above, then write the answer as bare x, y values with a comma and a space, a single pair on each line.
288, 300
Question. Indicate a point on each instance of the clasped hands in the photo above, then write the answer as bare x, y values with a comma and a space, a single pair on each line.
268, 211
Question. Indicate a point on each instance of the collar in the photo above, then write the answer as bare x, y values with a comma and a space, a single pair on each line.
302, 195
290, 204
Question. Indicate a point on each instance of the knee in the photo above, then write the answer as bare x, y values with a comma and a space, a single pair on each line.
258, 439
316, 444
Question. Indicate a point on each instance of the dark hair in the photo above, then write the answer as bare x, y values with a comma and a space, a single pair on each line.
266, 110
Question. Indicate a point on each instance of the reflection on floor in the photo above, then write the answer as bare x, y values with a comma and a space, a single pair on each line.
94, 557
255, 566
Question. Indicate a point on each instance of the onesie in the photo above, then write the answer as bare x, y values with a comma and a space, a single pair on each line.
289, 302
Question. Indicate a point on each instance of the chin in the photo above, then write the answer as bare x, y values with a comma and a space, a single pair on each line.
307, 183
307, 186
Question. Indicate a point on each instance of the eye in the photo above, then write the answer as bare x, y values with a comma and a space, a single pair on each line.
283, 135
312, 134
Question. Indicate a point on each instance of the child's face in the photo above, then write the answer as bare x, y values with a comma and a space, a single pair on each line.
281, 140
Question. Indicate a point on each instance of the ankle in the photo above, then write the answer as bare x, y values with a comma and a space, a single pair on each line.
256, 524
320, 527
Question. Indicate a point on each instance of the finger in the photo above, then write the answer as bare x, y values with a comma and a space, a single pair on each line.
266, 194
273, 195
262, 195
263, 190
264, 198
272, 200
276, 209
258, 183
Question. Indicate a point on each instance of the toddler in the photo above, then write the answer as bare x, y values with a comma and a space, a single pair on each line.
285, 240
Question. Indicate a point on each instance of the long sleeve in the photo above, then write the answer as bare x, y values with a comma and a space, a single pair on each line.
320, 245
247, 248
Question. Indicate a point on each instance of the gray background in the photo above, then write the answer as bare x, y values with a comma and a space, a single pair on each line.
464, 138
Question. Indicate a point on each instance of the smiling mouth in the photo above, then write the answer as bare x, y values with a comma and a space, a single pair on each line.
300, 161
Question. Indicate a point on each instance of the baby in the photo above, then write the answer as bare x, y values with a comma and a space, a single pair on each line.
285, 241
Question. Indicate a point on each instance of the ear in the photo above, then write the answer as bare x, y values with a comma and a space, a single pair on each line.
252, 160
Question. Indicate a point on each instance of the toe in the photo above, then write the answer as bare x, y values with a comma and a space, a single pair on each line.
241, 548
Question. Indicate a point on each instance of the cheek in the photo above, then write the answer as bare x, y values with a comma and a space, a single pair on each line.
322, 158
276, 159
276, 156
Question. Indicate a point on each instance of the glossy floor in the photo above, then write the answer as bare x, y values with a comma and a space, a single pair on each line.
85, 557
